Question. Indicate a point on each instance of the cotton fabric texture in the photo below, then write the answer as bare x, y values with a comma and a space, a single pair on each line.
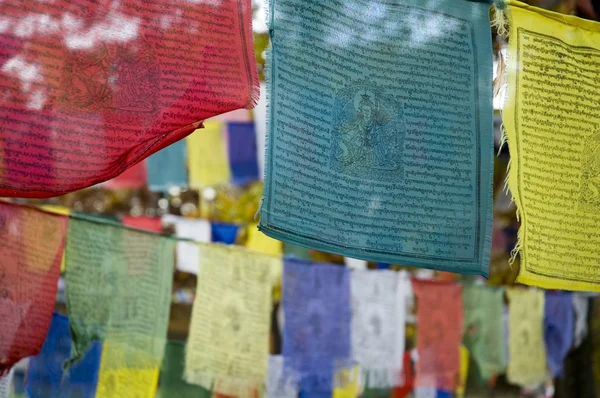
360, 160
118, 284
484, 329
317, 322
207, 156
91, 91
280, 384
228, 344
45, 376
378, 323
32, 247
527, 358
6, 384
439, 335
554, 141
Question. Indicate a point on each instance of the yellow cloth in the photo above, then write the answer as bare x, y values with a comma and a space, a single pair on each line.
260, 242
553, 129
527, 352
347, 382
124, 382
464, 371
65, 211
228, 343
207, 156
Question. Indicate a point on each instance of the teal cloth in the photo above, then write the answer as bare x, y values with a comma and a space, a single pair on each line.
167, 168
380, 131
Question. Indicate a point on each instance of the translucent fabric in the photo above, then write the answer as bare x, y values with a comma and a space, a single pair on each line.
167, 168
91, 89
31, 252
559, 328
380, 143
118, 283
317, 322
46, 378
551, 125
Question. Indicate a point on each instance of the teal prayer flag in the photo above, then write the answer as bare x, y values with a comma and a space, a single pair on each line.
380, 130
167, 168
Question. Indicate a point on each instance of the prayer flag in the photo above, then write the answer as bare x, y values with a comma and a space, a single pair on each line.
32, 247
118, 289
559, 327
347, 383
228, 343
408, 378
315, 394
134, 177
552, 128
90, 91
45, 377
317, 321
377, 393
188, 257
464, 372
257, 241
224, 233
382, 150
62, 210
167, 168
279, 383
378, 323
241, 140
301, 252
484, 329
151, 224
439, 335
172, 383
126, 371
527, 357
207, 156
6, 384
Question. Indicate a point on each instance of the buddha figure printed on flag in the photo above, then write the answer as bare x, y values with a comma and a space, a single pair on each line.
368, 133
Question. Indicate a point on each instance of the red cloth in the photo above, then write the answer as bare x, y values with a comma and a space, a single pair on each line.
30, 255
134, 177
90, 88
439, 333
409, 379
152, 224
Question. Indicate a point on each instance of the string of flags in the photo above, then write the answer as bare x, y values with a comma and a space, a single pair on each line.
382, 151
342, 329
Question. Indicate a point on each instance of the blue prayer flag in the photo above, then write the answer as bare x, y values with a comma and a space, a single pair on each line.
243, 159
167, 168
380, 131
559, 325
45, 377
224, 233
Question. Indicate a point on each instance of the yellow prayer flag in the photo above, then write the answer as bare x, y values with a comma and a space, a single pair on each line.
207, 156
260, 242
464, 371
527, 352
123, 382
62, 210
552, 126
347, 383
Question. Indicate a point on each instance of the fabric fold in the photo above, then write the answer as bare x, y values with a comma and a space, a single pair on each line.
88, 92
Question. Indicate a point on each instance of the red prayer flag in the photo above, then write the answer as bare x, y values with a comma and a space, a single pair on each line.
30, 255
134, 177
89, 89
439, 333
152, 224
409, 380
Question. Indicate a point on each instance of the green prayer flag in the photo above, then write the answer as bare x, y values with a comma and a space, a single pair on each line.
377, 393
484, 329
119, 289
172, 383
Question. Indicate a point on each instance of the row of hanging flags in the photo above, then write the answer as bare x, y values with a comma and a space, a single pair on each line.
341, 329
379, 144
